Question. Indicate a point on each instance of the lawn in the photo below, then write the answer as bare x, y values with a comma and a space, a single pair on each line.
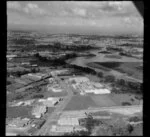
79, 102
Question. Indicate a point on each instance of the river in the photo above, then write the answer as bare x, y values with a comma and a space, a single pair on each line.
100, 57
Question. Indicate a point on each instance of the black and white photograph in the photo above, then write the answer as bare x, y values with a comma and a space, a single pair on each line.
74, 68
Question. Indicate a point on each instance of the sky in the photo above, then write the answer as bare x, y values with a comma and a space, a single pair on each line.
89, 17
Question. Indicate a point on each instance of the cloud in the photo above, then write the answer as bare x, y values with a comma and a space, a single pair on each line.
127, 20
13, 5
33, 9
80, 12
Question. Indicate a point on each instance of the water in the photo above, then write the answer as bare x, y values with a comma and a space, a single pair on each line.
100, 57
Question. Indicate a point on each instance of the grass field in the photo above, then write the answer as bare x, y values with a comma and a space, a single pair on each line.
103, 100
80, 102
108, 100
20, 111
130, 68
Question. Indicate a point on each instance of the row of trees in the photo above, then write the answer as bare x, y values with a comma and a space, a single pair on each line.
23, 72
56, 61
63, 47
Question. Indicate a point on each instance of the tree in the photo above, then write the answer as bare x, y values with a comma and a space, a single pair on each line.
115, 90
121, 82
130, 128
126, 103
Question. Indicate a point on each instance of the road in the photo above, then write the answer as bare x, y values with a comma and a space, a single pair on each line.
126, 110
54, 116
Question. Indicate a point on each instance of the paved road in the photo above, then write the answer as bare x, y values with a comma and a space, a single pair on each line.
45, 129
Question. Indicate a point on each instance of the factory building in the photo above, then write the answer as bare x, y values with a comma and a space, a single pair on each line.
84, 85
39, 110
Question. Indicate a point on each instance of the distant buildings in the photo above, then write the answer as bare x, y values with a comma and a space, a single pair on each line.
53, 86
9, 57
84, 85
49, 102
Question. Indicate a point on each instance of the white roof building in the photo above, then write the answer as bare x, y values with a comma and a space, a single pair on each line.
49, 102
79, 79
68, 121
38, 111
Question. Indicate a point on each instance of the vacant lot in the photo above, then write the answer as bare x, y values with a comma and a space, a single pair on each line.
80, 102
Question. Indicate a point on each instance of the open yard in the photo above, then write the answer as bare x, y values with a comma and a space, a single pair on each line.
80, 102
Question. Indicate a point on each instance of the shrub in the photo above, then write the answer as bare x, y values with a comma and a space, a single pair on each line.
100, 74
126, 103
134, 119
121, 82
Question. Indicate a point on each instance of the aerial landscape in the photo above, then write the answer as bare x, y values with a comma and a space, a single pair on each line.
74, 69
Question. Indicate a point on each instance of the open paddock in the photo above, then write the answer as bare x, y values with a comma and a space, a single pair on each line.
108, 100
